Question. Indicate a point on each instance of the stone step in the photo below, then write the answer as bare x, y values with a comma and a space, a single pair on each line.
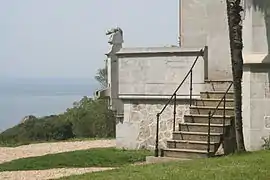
198, 145
214, 102
196, 136
205, 110
200, 118
186, 153
216, 95
200, 127
216, 85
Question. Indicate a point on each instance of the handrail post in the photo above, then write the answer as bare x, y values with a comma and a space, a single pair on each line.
208, 134
174, 112
190, 88
157, 132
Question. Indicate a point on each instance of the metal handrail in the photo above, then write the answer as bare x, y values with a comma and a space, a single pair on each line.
210, 116
173, 96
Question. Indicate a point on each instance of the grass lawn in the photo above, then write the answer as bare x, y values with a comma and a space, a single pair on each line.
249, 166
99, 157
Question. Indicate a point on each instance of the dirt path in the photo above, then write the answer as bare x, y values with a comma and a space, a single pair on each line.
47, 174
32, 150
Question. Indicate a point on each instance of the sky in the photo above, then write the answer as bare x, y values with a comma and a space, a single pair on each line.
66, 38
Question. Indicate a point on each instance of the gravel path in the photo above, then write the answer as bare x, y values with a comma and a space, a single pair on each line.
32, 150
47, 174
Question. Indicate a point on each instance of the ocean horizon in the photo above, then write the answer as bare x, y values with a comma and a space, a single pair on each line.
40, 97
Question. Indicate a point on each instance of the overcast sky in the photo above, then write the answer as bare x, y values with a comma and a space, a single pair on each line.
66, 38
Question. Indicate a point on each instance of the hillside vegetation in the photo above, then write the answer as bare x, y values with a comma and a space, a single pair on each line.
87, 118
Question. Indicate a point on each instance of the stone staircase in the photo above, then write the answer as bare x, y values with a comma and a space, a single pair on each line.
190, 140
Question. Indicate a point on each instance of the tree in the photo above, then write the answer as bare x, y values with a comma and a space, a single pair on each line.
102, 77
234, 10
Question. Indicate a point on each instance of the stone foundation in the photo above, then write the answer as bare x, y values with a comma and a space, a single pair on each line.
138, 130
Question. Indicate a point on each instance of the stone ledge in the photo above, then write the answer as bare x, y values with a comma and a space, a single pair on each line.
157, 97
256, 59
103, 93
159, 50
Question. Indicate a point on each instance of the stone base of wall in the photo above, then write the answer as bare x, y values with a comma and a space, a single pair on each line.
138, 129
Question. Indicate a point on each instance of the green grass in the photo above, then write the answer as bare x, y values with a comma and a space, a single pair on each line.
100, 157
248, 166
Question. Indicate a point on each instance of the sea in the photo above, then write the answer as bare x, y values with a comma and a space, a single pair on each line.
20, 97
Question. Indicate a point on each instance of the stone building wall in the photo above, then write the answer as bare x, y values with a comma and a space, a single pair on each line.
138, 129
256, 104
147, 77
158, 71
204, 23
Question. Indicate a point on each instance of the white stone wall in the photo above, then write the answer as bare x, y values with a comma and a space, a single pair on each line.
158, 71
138, 130
256, 104
256, 29
204, 22
147, 77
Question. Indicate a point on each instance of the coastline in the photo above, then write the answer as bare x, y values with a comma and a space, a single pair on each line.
22, 98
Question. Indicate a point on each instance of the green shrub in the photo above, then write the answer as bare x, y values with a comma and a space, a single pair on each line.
92, 119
